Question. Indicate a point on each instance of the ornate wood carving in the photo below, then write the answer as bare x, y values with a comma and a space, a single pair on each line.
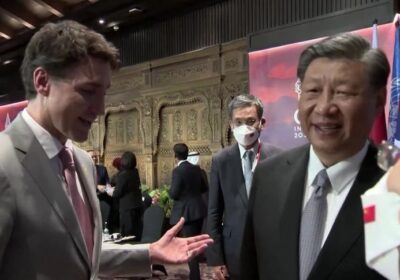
152, 106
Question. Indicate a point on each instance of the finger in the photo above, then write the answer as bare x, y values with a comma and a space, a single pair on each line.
198, 238
194, 245
172, 232
219, 275
196, 251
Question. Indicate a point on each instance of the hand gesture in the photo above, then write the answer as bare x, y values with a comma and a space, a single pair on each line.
175, 250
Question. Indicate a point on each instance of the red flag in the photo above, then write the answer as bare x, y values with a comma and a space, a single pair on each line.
378, 132
9, 112
369, 214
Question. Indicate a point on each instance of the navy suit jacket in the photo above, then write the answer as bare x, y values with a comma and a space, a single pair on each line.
271, 239
188, 183
227, 206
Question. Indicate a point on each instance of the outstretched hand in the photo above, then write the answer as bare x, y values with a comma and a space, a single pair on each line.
170, 249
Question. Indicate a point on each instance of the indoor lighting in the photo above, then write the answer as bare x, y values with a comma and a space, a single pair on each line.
135, 10
101, 21
8, 61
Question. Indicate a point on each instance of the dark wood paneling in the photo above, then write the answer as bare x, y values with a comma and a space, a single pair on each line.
223, 21
218, 21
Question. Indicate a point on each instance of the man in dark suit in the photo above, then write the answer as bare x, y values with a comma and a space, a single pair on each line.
102, 182
187, 186
230, 182
305, 215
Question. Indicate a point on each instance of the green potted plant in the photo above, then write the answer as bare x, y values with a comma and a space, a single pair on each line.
160, 196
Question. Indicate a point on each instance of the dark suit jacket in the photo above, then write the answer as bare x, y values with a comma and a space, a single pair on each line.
188, 183
271, 239
127, 189
227, 204
102, 179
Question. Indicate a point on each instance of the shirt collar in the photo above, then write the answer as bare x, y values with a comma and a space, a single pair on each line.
341, 173
179, 162
242, 150
49, 143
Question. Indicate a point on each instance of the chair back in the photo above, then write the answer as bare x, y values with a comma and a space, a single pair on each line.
153, 224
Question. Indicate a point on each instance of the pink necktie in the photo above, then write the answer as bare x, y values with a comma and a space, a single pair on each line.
83, 212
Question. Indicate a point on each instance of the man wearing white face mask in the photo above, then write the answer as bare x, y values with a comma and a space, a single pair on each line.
230, 182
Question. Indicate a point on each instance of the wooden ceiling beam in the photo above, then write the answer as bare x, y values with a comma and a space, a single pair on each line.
5, 30
53, 6
19, 13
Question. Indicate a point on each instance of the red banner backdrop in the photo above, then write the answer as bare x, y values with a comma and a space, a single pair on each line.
272, 75
9, 112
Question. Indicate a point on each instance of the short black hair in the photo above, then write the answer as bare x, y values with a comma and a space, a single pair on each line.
128, 161
348, 46
181, 151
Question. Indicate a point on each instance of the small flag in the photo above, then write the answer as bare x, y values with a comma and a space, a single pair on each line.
369, 214
394, 129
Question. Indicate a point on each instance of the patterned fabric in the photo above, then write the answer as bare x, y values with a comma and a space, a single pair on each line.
312, 224
82, 211
248, 173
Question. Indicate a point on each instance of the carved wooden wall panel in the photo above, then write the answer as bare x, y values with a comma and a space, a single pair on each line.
183, 98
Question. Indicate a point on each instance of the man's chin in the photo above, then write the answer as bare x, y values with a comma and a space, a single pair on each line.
79, 138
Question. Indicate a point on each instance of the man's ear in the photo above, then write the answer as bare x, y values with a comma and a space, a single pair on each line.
41, 81
231, 125
263, 121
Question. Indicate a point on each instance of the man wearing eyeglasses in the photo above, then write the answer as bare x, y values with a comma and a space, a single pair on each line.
230, 182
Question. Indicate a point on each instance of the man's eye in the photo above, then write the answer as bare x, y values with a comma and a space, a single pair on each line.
250, 122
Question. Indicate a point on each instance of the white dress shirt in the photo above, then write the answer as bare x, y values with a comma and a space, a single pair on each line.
341, 176
52, 148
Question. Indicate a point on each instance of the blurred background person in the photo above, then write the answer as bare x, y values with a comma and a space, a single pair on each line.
230, 182
127, 191
114, 215
194, 158
186, 190
102, 182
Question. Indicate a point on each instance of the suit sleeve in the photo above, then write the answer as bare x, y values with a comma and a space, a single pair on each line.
204, 181
7, 213
120, 186
176, 185
8, 207
125, 261
215, 254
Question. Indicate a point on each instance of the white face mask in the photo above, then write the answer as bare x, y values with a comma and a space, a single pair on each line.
245, 135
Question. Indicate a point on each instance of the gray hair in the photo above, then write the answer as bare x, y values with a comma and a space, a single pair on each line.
243, 101
348, 46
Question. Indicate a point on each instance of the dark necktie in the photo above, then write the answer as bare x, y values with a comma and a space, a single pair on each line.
313, 223
248, 173
83, 212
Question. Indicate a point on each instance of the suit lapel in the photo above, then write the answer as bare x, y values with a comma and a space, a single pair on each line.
237, 170
296, 169
348, 226
46, 180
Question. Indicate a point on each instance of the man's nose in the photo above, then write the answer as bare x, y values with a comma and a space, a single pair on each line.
98, 106
325, 103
